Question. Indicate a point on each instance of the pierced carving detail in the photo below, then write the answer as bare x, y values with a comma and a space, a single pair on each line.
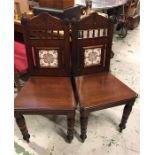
46, 34
92, 33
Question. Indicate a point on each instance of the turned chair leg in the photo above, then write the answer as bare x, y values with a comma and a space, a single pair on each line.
70, 126
22, 126
83, 122
126, 112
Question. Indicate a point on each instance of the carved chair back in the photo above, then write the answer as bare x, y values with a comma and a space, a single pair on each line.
91, 44
47, 45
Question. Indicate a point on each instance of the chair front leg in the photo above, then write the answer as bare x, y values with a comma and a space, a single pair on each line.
126, 112
70, 126
84, 123
22, 126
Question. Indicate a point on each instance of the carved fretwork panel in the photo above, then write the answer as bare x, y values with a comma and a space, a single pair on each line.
46, 34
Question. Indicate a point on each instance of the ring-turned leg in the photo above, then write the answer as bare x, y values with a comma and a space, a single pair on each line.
22, 126
126, 112
83, 122
70, 126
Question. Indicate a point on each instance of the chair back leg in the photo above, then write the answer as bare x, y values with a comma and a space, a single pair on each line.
22, 126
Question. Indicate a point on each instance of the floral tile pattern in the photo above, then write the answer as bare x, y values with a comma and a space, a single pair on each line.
92, 57
48, 58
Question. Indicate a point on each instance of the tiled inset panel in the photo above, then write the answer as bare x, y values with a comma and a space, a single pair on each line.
92, 56
48, 58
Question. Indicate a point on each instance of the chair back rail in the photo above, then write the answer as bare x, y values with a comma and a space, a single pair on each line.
47, 45
91, 44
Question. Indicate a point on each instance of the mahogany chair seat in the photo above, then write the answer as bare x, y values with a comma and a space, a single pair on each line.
102, 90
46, 94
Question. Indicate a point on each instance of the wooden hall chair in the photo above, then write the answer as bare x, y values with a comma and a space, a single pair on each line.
96, 87
49, 89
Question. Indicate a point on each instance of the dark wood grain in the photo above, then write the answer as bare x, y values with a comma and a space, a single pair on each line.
92, 22
102, 90
48, 90
36, 32
45, 93
61, 4
95, 87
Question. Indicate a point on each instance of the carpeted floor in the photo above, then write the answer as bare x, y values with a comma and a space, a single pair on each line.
47, 132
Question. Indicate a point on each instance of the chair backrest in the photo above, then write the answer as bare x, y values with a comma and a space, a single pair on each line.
47, 45
91, 44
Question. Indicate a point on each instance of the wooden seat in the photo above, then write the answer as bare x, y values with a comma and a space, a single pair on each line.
102, 90
49, 88
95, 87
46, 94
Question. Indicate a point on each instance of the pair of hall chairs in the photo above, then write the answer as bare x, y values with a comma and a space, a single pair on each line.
69, 65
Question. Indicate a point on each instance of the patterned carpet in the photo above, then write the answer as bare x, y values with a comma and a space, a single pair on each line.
47, 132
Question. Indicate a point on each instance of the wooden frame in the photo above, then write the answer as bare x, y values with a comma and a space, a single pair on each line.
38, 32
61, 4
39, 85
99, 80
93, 22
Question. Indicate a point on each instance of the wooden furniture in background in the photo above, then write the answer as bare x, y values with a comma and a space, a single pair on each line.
133, 13
57, 4
133, 21
20, 7
132, 7
90, 39
96, 87
71, 12
49, 89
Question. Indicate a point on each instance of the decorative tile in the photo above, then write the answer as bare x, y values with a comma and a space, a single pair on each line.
92, 57
48, 58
